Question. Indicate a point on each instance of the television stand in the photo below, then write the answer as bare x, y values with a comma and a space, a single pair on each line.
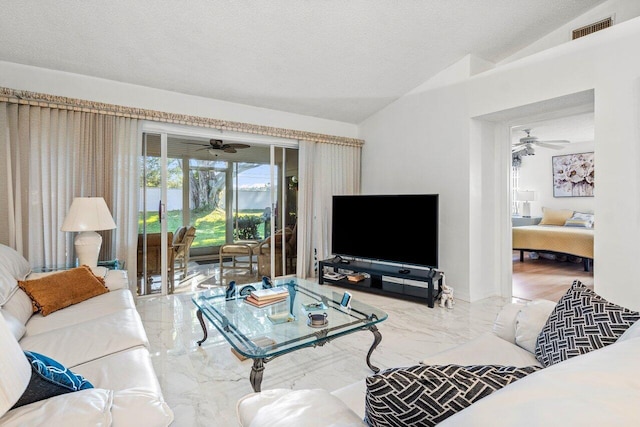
376, 284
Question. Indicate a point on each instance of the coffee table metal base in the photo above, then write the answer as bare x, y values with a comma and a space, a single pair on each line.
204, 327
257, 370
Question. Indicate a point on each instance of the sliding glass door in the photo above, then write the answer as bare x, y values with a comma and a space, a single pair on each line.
234, 189
154, 244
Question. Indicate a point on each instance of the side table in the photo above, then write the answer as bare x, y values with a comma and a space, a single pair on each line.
519, 221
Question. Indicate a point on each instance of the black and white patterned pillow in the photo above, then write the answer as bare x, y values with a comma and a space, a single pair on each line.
582, 321
424, 395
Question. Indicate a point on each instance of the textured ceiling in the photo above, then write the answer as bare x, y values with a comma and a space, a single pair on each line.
336, 59
576, 128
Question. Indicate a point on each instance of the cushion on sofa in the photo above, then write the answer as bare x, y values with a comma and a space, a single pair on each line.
486, 349
149, 407
601, 388
8, 285
581, 321
15, 370
19, 305
281, 408
16, 327
111, 302
89, 407
60, 290
131, 369
529, 322
14, 263
426, 395
77, 344
49, 378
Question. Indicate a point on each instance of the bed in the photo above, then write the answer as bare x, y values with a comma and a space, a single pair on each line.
557, 239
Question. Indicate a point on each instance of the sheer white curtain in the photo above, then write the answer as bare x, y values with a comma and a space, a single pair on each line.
54, 155
325, 170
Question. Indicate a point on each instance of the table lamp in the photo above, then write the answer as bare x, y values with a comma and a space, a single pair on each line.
88, 215
525, 197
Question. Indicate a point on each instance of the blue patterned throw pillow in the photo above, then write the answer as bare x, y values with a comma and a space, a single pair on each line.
49, 378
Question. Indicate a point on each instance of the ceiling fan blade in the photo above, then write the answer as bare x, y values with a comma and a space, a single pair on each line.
555, 141
519, 148
229, 150
195, 143
234, 145
546, 144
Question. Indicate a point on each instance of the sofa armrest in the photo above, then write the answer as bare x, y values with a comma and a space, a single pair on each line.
282, 408
521, 324
504, 325
530, 321
116, 279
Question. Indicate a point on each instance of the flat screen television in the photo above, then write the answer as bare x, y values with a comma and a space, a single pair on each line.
399, 228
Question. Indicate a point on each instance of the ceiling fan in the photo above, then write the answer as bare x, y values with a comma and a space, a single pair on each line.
526, 143
218, 144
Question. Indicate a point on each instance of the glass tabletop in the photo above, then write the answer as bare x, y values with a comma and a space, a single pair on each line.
284, 326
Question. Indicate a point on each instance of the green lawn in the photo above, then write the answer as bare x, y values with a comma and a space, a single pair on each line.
210, 224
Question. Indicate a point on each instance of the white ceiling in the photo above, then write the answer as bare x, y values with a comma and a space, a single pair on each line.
336, 59
575, 129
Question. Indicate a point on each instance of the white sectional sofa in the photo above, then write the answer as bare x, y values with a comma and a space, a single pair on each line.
601, 387
101, 338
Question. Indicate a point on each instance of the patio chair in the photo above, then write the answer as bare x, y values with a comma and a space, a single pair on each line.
182, 241
154, 260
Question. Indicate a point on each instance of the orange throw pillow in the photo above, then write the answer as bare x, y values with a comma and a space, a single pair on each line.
59, 290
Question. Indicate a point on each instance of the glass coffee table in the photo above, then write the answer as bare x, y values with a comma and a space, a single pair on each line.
262, 334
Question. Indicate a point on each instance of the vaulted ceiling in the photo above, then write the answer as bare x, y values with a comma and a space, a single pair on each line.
334, 59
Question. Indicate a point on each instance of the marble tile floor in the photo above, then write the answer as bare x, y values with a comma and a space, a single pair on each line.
205, 275
203, 384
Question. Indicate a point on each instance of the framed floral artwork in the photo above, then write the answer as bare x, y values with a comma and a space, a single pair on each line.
573, 175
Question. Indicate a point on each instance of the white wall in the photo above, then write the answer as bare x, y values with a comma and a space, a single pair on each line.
536, 174
24, 77
621, 10
425, 142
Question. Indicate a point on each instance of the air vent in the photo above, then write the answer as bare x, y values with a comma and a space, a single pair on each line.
592, 28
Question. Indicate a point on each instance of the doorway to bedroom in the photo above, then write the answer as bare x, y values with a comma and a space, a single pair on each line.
552, 203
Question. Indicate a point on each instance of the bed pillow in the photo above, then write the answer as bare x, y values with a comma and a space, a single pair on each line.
427, 394
49, 378
580, 219
582, 321
56, 291
555, 216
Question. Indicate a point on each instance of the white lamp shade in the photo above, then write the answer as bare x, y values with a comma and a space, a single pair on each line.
525, 196
15, 370
88, 214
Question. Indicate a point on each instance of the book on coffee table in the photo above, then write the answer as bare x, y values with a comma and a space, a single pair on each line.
271, 293
263, 303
